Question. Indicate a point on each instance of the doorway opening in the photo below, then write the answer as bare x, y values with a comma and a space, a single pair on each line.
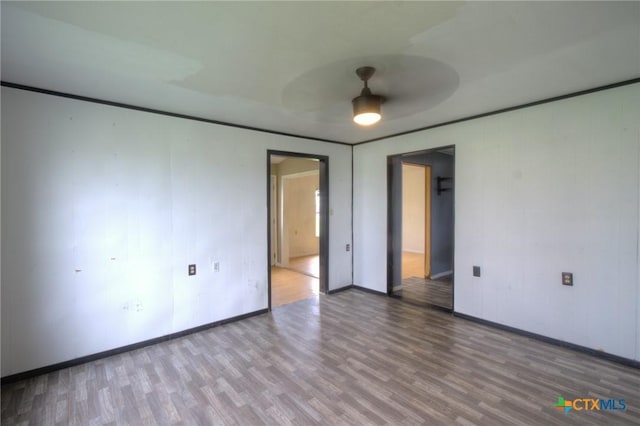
297, 196
421, 227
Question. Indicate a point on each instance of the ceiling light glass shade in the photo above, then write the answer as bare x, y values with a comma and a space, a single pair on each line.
367, 118
366, 109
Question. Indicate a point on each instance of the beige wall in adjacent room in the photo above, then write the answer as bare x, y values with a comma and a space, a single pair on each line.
300, 214
413, 208
295, 165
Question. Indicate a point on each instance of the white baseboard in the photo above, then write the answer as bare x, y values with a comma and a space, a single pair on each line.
441, 274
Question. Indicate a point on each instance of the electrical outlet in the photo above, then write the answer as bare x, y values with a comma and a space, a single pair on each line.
216, 266
348, 247
567, 278
476, 271
192, 269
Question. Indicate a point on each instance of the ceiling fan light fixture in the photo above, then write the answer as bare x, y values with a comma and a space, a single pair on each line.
367, 118
366, 111
366, 107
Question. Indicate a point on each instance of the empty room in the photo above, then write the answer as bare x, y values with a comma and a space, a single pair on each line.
324, 212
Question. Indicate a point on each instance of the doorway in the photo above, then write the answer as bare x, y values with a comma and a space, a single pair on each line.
416, 220
421, 227
297, 197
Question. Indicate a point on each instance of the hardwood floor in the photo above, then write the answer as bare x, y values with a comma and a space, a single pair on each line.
289, 286
308, 265
298, 281
348, 358
412, 264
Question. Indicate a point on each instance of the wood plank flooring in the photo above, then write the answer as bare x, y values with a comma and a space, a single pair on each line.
349, 358
422, 291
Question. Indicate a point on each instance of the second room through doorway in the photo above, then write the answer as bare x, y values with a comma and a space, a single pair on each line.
295, 229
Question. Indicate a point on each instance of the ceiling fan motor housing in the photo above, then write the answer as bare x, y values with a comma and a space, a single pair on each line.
367, 104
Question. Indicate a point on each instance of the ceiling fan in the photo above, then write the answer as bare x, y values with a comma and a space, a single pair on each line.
366, 107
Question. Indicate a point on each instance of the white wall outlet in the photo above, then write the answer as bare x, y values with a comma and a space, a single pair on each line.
215, 265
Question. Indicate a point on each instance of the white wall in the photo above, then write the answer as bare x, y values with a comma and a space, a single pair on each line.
103, 209
539, 191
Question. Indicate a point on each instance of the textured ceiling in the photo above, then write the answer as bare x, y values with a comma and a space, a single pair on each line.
290, 66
